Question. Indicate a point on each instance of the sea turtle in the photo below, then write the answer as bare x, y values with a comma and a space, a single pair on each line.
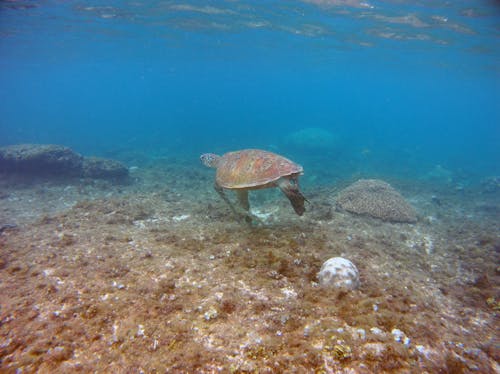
253, 169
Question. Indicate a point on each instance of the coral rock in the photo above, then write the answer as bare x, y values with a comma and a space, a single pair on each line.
338, 272
377, 199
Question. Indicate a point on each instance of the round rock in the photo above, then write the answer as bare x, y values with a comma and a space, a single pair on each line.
340, 273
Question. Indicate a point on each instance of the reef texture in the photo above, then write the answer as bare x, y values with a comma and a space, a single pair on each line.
158, 277
377, 199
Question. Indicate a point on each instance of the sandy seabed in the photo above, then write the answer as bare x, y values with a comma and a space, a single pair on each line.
158, 276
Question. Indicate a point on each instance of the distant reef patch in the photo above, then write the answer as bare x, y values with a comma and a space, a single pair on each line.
311, 139
57, 160
377, 199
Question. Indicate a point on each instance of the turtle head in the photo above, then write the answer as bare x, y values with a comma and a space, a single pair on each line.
210, 159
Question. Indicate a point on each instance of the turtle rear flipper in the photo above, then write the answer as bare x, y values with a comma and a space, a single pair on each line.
290, 188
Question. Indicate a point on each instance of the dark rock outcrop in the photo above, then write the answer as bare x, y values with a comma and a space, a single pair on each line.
57, 160
40, 159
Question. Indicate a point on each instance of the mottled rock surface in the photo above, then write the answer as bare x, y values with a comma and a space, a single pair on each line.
40, 159
96, 167
340, 273
377, 199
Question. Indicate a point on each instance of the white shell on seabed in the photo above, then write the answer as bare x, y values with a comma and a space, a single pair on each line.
338, 272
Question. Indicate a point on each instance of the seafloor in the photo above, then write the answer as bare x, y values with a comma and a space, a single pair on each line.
157, 276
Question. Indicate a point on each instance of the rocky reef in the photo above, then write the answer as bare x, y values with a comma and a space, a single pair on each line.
157, 277
57, 160
377, 199
40, 159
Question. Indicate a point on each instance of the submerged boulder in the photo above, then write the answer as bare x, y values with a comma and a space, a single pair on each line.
377, 199
96, 167
40, 159
491, 184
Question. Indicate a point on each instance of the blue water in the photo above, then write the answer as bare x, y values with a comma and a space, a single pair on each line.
403, 86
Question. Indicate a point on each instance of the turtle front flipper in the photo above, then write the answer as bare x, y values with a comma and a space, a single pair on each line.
290, 187
243, 199
245, 204
220, 191
244, 210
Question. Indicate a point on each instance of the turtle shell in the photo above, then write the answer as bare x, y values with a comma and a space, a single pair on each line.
253, 168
